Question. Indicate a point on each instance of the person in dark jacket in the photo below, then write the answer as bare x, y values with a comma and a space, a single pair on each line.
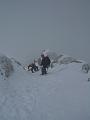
45, 63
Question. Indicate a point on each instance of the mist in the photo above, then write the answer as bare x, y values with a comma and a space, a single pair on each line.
29, 26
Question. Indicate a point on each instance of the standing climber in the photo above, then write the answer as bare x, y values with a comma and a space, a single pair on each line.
45, 63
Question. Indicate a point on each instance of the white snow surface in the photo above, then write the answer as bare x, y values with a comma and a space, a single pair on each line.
62, 94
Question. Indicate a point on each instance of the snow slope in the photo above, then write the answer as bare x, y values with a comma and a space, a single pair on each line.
63, 94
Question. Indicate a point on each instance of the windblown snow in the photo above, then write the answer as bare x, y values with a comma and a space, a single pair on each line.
62, 94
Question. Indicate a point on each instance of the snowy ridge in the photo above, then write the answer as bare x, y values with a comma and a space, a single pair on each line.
62, 94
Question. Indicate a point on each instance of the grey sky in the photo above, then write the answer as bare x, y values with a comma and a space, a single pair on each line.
29, 26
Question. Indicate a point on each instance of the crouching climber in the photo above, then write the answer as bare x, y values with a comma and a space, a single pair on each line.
32, 67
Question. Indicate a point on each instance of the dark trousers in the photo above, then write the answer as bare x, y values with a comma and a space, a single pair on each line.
34, 69
43, 70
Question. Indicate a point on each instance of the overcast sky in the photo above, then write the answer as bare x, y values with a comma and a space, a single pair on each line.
29, 26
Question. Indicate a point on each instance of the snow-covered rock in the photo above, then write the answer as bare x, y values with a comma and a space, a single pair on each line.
6, 67
65, 59
85, 68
